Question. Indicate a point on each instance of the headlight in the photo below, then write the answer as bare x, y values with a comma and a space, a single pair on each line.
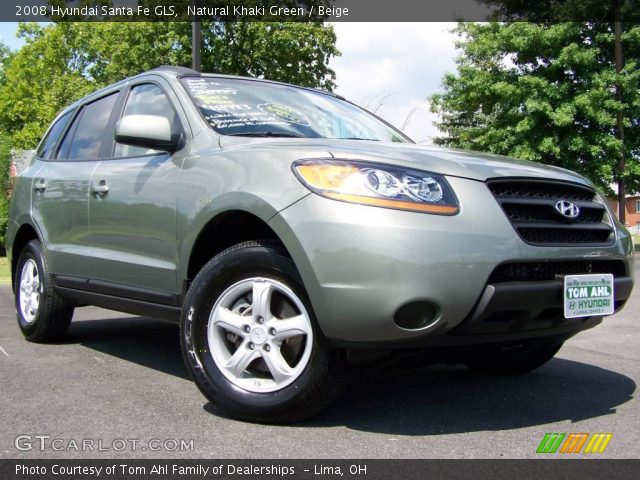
378, 184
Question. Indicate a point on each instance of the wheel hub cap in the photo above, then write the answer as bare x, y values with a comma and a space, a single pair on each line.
258, 336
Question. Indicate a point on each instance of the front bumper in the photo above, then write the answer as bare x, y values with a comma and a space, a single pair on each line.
523, 310
361, 264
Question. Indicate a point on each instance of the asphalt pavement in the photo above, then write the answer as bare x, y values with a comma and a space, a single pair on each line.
116, 388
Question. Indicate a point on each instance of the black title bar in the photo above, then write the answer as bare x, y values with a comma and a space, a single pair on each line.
318, 10
326, 469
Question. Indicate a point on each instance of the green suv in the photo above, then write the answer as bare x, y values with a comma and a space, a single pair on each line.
293, 235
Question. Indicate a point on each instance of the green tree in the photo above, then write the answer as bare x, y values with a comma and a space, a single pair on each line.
41, 78
5, 55
5, 166
62, 62
5, 158
554, 11
546, 93
289, 52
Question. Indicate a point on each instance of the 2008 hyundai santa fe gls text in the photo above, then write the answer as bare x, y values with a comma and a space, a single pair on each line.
293, 234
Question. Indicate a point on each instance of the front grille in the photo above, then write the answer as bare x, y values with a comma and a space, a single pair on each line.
540, 271
530, 206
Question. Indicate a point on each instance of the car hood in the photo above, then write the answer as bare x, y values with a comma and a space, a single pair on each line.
445, 161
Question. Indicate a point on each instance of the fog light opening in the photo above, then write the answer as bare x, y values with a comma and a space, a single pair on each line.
416, 315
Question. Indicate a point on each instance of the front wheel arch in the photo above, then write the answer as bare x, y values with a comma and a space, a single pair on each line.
314, 387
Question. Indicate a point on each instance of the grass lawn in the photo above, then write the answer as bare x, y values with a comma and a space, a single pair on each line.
5, 275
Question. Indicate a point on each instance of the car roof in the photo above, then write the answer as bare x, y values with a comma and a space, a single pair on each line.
193, 73
174, 73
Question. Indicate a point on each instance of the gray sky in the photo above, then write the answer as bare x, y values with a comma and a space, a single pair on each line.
398, 64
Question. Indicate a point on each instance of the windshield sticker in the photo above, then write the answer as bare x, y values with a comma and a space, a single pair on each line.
222, 112
285, 113
207, 99
228, 108
201, 90
225, 120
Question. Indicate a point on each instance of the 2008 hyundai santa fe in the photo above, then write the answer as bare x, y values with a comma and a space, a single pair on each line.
293, 234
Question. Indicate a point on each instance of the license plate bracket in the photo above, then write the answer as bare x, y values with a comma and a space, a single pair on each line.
588, 295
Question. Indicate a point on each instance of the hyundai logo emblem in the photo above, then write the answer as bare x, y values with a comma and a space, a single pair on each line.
567, 209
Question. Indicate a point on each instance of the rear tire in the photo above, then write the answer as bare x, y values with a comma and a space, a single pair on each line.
250, 340
43, 316
515, 361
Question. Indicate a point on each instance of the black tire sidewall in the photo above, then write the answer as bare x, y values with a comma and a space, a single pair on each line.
32, 251
222, 272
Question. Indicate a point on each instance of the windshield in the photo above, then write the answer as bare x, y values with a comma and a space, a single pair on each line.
254, 108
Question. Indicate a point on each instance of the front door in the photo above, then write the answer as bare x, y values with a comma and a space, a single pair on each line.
132, 211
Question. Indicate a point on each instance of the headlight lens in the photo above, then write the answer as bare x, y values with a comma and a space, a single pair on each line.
378, 185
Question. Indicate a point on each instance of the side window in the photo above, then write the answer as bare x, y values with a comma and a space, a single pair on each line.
48, 144
66, 141
146, 99
84, 139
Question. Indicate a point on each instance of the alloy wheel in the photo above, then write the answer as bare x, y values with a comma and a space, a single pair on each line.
29, 291
260, 335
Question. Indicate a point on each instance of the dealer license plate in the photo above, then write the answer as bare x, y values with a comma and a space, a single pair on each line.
588, 295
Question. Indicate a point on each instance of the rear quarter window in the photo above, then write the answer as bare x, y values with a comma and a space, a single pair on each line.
49, 142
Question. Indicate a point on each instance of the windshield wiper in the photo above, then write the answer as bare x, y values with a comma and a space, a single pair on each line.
265, 134
292, 135
359, 138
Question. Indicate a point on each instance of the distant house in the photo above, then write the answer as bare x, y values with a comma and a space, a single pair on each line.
632, 209
19, 161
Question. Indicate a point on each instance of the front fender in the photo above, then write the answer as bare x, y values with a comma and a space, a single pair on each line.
228, 202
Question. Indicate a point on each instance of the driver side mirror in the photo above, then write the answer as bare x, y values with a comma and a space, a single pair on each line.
149, 131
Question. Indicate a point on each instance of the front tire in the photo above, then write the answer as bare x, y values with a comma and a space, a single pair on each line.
250, 340
43, 316
515, 361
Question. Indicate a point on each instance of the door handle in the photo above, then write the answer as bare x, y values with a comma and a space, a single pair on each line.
40, 186
101, 189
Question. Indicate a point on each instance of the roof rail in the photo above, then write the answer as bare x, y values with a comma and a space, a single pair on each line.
327, 92
178, 70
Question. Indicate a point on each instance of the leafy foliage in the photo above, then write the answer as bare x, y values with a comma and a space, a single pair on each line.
545, 93
5, 159
45, 75
5, 162
554, 11
289, 52
5, 55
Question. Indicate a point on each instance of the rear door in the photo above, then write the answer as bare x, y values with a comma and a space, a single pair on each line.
60, 195
132, 208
